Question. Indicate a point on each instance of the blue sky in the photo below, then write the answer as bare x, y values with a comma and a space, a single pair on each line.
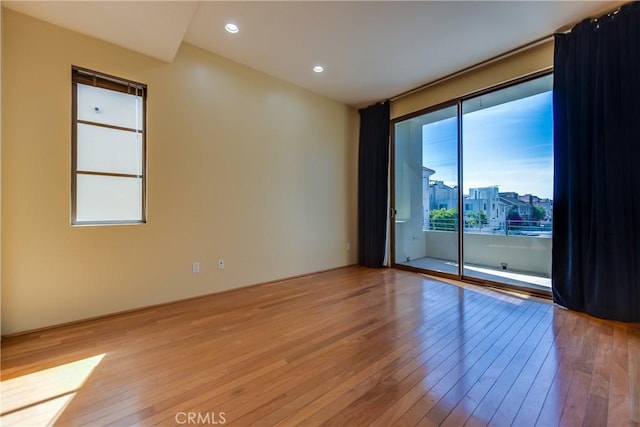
509, 145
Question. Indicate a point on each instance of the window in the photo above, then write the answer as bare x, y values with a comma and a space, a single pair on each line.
508, 145
492, 149
108, 149
507, 142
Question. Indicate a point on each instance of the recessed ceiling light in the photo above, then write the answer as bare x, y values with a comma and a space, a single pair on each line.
318, 68
231, 28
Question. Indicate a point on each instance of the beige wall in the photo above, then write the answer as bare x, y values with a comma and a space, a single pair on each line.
522, 64
241, 166
1, 38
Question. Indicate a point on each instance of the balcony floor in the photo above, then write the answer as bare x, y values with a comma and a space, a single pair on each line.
508, 277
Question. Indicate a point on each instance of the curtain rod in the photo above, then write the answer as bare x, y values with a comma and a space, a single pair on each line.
505, 55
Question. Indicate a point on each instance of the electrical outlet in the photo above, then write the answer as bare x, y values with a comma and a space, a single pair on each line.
195, 267
504, 265
220, 264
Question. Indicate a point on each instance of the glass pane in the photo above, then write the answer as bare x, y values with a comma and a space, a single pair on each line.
109, 107
508, 184
426, 191
109, 150
108, 198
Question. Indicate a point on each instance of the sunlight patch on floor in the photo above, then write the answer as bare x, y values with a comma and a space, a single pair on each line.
40, 397
509, 277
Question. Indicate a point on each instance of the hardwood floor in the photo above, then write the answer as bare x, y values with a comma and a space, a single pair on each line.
349, 347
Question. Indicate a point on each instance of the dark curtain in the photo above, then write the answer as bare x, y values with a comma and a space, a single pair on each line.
596, 218
373, 166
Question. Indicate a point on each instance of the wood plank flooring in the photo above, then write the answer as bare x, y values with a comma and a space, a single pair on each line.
349, 347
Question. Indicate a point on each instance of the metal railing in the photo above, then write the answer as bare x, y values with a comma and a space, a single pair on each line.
509, 227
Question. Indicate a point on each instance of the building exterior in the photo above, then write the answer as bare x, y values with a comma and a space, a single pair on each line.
488, 209
545, 204
483, 199
442, 196
426, 192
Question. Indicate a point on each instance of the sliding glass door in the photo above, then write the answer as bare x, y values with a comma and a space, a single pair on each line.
508, 180
426, 191
501, 142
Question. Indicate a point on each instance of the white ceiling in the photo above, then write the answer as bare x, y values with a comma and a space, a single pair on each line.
371, 50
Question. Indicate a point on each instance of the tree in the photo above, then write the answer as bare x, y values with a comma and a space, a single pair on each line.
513, 214
514, 220
538, 213
476, 219
444, 219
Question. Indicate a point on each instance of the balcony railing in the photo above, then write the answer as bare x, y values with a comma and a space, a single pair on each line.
542, 228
